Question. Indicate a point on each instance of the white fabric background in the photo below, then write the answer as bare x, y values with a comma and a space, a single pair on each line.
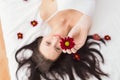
106, 21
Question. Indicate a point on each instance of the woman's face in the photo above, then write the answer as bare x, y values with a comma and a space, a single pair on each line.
50, 47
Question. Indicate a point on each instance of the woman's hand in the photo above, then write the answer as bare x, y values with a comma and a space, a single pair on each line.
79, 33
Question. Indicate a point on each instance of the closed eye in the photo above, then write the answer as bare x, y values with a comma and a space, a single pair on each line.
58, 49
48, 43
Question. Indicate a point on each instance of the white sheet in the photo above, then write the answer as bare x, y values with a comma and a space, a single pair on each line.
16, 16
107, 21
18, 13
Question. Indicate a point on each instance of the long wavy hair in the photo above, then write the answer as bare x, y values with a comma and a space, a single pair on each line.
87, 66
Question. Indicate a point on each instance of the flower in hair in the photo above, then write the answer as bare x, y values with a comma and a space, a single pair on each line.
76, 56
107, 37
96, 37
20, 35
67, 43
34, 23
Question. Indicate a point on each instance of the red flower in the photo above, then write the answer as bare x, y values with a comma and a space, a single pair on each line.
67, 43
96, 37
107, 37
20, 35
34, 23
76, 56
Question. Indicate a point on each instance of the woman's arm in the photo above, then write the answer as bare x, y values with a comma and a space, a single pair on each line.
4, 72
80, 32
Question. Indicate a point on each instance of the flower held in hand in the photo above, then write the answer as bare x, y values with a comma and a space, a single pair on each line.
67, 43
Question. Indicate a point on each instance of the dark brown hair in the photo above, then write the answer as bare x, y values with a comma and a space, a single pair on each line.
88, 65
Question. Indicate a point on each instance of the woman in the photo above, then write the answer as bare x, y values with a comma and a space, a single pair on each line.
47, 56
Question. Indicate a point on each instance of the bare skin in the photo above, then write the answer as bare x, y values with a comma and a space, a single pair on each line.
4, 72
63, 17
62, 24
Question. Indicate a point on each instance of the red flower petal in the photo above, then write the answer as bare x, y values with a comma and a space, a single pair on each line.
34, 23
76, 56
96, 37
107, 37
20, 35
67, 43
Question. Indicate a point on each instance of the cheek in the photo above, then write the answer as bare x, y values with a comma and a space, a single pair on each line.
48, 53
54, 56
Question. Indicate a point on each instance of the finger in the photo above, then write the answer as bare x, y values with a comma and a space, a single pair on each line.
68, 51
74, 50
78, 46
64, 51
